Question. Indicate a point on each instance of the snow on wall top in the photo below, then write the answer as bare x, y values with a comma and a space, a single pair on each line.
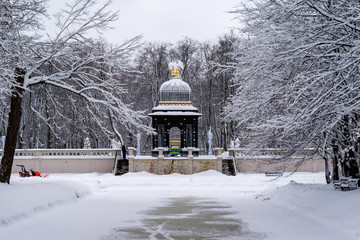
175, 113
176, 107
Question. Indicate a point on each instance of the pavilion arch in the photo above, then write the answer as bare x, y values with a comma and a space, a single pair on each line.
175, 137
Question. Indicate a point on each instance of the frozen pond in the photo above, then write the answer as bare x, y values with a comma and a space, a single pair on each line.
186, 218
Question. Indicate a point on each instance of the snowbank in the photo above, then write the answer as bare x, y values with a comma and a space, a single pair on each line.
297, 206
20, 200
321, 203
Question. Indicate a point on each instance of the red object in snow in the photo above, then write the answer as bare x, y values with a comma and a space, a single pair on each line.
32, 173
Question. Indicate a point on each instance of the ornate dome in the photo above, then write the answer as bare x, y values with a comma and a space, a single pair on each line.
175, 90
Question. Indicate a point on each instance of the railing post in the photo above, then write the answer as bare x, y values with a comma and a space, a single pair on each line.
190, 152
231, 152
219, 158
161, 152
131, 159
37, 153
131, 151
190, 161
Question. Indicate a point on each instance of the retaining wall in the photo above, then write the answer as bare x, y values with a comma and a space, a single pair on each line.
66, 160
102, 161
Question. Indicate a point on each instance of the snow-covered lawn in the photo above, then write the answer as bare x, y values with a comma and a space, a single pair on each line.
146, 206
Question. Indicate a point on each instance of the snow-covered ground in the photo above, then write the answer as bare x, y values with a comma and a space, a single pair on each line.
146, 206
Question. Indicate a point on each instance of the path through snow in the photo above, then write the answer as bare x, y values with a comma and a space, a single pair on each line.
146, 206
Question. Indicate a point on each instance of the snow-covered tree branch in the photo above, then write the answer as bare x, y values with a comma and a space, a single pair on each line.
298, 78
70, 61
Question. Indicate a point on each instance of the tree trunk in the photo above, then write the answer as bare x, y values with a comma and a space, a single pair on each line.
327, 171
48, 130
13, 127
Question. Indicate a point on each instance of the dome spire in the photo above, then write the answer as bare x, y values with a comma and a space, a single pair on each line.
176, 67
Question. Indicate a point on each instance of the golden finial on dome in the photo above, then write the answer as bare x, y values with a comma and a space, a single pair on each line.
176, 67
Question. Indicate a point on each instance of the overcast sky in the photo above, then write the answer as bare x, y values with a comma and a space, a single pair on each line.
168, 20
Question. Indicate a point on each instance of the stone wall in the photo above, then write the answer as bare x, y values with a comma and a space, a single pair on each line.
66, 160
167, 165
102, 161
262, 165
270, 160
66, 165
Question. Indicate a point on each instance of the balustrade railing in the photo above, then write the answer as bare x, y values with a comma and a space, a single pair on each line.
268, 152
65, 152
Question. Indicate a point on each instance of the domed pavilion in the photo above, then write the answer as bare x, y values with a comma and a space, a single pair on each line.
175, 119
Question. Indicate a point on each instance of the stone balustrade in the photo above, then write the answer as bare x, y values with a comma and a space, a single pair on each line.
65, 152
265, 151
103, 160
273, 160
162, 164
66, 160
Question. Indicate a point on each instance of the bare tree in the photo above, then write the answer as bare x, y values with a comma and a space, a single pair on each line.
152, 60
299, 86
91, 75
